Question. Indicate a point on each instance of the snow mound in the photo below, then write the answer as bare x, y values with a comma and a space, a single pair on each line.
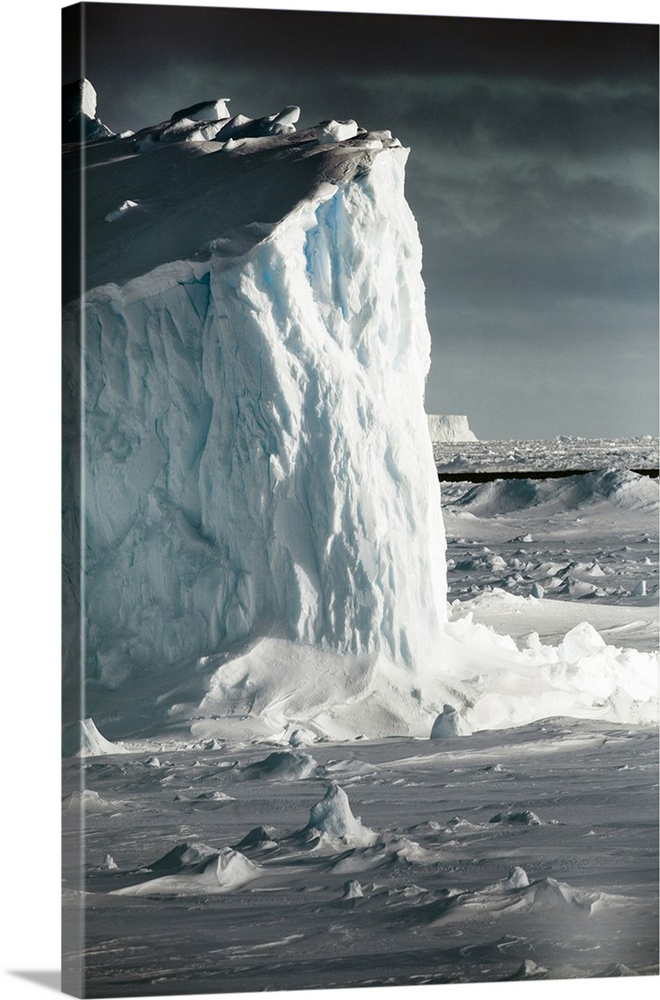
352, 889
332, 821
203, 797
547, 897
626, 490
449, 723
340, 695
182, 856
521, 817
582, 677
224, 871
529, 970
283, 765
260, 838
86, 801
449, 427
214, 110
302, 738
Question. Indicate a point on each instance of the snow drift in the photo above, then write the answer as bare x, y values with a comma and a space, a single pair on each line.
621, 487
223, 871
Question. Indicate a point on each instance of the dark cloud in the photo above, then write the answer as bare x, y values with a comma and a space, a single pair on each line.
532, 174
312, 40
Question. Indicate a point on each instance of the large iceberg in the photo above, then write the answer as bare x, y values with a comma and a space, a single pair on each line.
253, 538
252, 349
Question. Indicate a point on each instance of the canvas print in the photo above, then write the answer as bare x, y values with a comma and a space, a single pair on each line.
360, 531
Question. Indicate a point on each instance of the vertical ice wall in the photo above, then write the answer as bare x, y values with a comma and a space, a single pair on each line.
257, 452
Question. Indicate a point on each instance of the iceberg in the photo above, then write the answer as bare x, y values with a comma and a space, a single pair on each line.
449, 427
253, 535
252, 348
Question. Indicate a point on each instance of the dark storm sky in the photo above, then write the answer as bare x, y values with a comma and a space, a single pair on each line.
533, 178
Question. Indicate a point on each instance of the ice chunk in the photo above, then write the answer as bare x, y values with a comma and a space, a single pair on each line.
284, 765
333, 131
214, 110
449, 723
582, 641
80, 122
93, 744
117, 213
352, 889
522, 817
332, 819
301, 738
517, 878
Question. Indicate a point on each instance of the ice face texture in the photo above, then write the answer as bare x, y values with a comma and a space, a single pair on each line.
257, 457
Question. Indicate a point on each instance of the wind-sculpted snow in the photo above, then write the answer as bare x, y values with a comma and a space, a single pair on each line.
291, 890
222, 871
258, 459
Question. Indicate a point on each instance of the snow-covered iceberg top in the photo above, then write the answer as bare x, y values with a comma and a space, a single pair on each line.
201, 182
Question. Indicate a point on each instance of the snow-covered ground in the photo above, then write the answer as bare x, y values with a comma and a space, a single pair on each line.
584, 538
525, 853
227, 864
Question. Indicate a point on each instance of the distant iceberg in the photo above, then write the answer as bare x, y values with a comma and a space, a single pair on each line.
449, 427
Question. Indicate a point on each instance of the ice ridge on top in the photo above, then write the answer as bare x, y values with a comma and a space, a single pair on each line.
257, 458
214, 185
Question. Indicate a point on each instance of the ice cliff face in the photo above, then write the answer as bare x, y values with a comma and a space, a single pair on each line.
449, 427
256, 453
